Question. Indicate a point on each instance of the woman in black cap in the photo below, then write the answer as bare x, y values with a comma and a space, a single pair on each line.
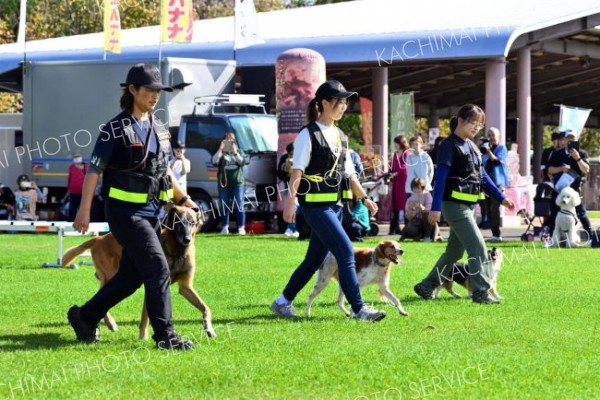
323, 176
132, 152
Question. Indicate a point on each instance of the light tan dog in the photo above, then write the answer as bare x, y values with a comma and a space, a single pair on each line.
373, 266
461, 275
177, 240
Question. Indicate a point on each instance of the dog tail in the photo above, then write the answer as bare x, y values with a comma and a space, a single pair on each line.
74, 252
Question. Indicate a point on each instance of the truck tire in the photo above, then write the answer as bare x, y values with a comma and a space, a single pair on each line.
208, 210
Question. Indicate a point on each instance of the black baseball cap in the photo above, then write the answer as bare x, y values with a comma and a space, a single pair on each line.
333, 89
146, 75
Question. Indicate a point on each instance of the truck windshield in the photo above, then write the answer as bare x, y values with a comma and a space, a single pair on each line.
255, 132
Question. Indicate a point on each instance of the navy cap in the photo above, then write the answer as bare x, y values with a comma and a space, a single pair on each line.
146, 75
556, 135
333, 89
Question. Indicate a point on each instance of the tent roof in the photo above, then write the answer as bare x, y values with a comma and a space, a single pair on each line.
367, 31
435, 48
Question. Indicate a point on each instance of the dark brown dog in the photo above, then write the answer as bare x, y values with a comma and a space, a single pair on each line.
177, 240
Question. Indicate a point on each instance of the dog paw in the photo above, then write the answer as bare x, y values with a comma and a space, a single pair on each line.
404, 313
208, 328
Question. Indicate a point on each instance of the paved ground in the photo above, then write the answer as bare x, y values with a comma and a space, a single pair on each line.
510, 232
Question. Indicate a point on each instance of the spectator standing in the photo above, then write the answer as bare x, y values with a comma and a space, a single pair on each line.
494, 161
433, 153
284, 173
400, 175
546, 156
418, 165
181, 166
75, 179
230, 160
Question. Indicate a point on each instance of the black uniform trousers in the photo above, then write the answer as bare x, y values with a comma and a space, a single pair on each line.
143, 261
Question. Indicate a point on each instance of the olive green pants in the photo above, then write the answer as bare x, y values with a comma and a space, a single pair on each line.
464, 235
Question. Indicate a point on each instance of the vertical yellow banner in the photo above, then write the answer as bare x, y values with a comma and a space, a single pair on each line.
177, 21
112, 27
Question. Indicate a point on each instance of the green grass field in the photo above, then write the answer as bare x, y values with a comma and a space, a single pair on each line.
541, 343
593, 214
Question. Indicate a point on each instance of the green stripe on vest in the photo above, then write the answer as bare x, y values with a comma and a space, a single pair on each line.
473, 198
131, 197
320, 197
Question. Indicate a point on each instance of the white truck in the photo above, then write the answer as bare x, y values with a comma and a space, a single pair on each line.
66, 103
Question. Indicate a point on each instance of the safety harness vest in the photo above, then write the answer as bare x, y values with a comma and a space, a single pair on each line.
323, 181
135, 175
465, 178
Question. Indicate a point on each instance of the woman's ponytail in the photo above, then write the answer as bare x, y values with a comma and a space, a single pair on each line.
313, 110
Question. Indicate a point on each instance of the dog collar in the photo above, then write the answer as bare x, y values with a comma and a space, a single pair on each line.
570, 214
376, 260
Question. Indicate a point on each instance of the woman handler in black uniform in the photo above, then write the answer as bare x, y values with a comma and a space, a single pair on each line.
132, 152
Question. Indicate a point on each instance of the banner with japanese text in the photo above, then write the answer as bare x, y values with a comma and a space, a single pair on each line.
401, 116
112, 27
246, 26
176, 21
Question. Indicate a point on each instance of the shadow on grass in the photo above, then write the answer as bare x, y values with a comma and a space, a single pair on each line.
33, 341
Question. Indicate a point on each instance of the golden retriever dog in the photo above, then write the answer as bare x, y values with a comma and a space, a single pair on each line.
373, 266
460, 275
177, 239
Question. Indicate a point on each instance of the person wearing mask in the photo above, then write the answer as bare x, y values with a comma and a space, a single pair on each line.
26, 198
180, 166
461, 180
323, 178
75, 178
418, 165
400, 175
230, 160
494, 161
132, 153
571, 160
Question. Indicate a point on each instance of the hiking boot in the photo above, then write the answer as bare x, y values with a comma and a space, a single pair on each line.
174, 342
485, 300
85, 332
285, 311
423, 291
366, 313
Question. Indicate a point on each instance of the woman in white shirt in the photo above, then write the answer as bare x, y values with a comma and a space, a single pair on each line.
419, 164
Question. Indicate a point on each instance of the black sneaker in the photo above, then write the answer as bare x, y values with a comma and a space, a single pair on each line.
423, 291
174, 342
485, 300
85, 332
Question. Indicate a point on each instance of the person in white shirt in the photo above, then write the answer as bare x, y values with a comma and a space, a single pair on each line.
419, 164
181, 166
